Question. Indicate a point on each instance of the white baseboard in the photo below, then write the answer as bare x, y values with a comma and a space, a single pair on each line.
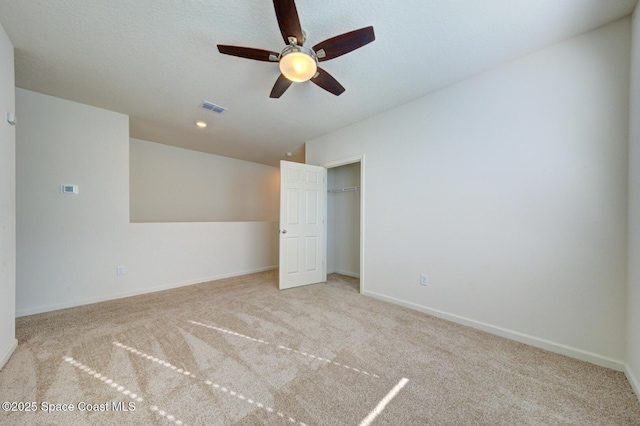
8, 353
633, 380
39, 310
347, 273
558, 348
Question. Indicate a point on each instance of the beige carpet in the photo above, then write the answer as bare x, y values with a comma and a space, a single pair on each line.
240, 352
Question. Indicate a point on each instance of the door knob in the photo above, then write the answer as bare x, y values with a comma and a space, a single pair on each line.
284, 231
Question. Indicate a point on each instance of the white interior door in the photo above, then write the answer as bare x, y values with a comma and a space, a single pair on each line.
303, 201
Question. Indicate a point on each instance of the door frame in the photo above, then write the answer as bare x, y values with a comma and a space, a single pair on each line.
344, 162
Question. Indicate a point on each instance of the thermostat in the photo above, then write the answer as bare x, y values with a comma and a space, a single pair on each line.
69, 189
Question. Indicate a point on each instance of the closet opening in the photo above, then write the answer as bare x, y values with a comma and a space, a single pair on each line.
344, 223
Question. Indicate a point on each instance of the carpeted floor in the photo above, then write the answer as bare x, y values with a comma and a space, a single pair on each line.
240, 352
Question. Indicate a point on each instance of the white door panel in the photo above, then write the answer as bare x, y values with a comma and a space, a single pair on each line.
303, 200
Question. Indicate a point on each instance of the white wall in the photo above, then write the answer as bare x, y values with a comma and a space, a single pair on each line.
510, 190
68, 246
166, 255
170, 184
343, 221
633, 314
8, 340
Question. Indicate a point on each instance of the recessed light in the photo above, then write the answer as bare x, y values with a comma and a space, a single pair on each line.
201, 124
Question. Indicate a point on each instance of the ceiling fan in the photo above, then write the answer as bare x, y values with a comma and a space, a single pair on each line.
297, 62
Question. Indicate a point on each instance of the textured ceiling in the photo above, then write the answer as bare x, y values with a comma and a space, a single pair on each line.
156, 60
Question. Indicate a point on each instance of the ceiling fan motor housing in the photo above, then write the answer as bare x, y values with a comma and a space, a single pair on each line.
298, 63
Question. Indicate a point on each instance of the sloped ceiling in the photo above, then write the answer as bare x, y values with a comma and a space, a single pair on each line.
156, 60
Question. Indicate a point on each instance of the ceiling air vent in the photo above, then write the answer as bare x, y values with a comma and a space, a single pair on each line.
213, 107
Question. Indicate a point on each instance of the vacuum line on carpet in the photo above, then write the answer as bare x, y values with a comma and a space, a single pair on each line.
328, 361
154, 359
383, 403
308, 355
121, 389
215, 386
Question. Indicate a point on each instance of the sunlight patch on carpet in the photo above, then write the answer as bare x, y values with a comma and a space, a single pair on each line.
383, 403
102, 378
233, 333
154, 359
119, 388
213, 385
250, 401
328, 361
308, 355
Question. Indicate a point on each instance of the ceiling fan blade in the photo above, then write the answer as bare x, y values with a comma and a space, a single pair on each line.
344, 43
288, 20
327, 82
249, 53
281, 86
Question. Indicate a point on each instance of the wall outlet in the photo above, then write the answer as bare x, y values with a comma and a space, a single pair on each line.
120, 270
424, 279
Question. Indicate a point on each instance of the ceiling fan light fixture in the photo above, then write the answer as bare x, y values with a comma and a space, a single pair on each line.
298, 63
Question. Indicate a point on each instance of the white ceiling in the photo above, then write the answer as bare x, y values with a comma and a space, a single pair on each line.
156, 60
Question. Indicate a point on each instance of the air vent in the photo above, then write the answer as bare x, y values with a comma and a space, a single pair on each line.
213, 107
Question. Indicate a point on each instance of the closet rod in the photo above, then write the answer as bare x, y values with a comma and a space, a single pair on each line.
348, 188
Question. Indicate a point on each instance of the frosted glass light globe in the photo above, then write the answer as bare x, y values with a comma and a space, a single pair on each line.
298, 63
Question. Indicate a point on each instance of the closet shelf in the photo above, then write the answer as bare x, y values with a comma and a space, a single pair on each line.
348, 188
